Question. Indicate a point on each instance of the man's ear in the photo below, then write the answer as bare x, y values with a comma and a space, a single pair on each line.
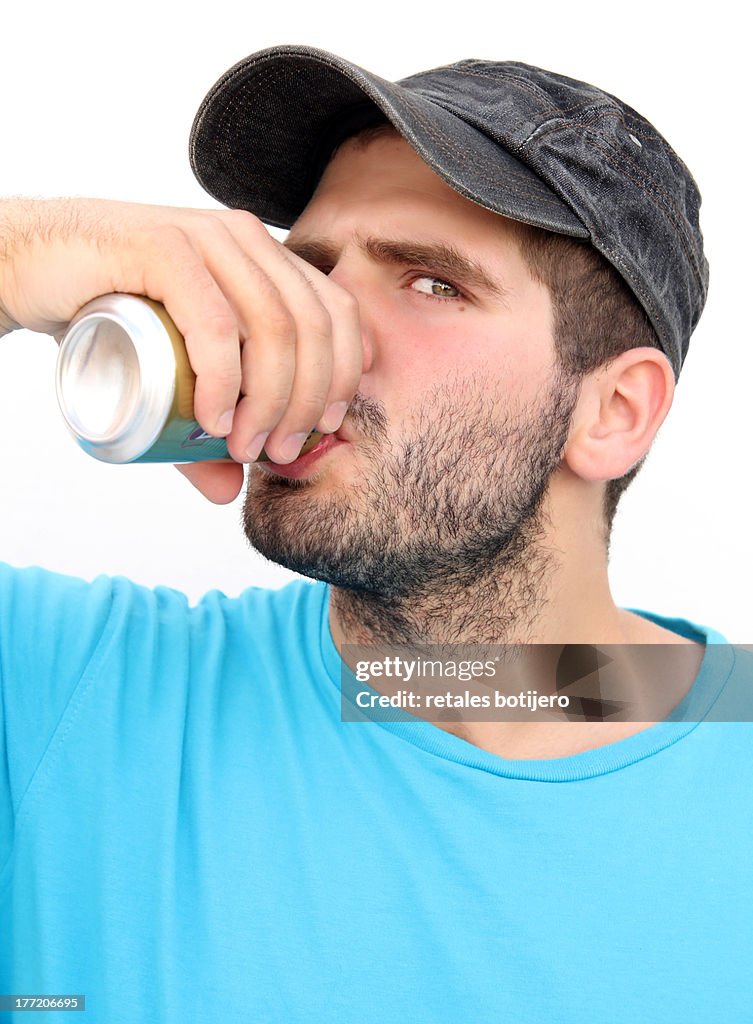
620, 409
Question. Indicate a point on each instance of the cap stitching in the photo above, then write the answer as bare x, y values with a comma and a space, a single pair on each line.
547, 104
463, 154
611, 102
668, 208
595, 130
604, 109
647, 177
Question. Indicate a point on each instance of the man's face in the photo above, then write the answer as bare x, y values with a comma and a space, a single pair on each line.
461, 414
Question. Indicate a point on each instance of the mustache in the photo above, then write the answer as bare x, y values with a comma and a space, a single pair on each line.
368, 417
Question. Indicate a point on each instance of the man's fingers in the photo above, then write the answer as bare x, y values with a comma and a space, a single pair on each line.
220, 482
269, 332
347, 344
287, 348
230, 286
175, 273
289, 392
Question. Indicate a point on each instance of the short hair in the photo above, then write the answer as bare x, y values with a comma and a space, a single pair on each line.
596, 315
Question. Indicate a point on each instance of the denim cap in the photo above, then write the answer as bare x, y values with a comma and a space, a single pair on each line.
526, 143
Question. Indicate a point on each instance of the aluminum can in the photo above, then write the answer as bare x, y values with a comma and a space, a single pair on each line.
125, 386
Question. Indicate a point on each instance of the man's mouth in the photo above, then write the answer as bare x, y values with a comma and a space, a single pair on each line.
304, 463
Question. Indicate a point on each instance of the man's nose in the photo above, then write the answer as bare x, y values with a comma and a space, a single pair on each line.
347, 279
367, 341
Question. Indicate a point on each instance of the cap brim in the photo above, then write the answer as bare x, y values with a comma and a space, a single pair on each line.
265, 131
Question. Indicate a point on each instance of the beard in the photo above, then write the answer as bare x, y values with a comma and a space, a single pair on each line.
438, 529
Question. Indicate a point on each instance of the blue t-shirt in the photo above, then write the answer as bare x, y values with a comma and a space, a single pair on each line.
190, 833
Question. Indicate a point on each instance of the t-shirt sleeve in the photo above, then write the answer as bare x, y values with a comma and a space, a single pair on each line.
50, 628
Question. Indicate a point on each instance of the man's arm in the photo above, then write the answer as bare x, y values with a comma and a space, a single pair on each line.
274, 343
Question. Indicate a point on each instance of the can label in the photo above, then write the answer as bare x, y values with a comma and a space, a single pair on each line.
184, 440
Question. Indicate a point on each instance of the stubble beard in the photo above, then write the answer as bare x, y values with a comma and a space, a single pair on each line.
441, 538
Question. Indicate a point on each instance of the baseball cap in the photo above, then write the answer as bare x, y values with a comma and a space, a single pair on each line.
523, 142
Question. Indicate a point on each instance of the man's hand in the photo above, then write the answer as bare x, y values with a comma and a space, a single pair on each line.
260, 324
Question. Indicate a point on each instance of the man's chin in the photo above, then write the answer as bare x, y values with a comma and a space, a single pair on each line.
289, 524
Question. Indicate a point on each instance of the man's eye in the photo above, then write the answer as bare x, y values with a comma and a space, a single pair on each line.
436, 286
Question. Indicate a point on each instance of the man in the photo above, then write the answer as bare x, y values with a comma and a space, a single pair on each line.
192, 832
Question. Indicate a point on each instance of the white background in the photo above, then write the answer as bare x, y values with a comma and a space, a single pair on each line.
99, 101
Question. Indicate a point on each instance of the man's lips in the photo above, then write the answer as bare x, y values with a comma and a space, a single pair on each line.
300, 466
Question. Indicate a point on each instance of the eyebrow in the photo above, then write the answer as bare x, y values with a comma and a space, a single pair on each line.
439, 257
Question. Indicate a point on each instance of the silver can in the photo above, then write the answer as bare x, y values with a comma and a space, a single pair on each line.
125, 386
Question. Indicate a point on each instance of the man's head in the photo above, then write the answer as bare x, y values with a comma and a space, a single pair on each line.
465, 409
558, 194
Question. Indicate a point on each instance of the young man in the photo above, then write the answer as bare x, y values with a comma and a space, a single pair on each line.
191, 830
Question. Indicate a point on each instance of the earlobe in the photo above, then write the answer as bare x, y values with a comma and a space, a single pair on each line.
620, 410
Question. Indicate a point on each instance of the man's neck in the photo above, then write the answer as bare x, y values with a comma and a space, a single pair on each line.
528, 597
543, 603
